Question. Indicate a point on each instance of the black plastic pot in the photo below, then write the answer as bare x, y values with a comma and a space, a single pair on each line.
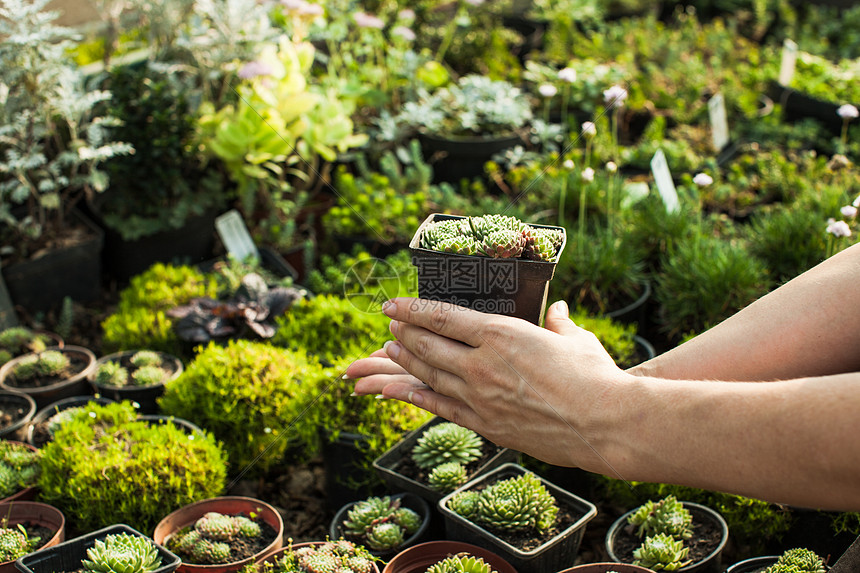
554, 554
36, 437
387, 464
67, 556
409, 500
797, 106
146, 397
753, 565
184, 425
462, 158
712, 563
345, 469
76, 272
25, 407
74, 385
511, 287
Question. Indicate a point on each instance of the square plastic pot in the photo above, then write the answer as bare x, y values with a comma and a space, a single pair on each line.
67, 556
555, 554
511, 287
386, 465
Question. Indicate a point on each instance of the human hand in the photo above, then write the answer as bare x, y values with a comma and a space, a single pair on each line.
542, 391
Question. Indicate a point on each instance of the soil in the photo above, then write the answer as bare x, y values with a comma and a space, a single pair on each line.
706, 538
77, 363
11, 410
241, 548
408, 468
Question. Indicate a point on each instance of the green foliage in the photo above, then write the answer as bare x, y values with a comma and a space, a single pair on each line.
797, 560
111, 374
18, 340
122, 553
105, 467
704, 281
461, 563
667, 516
364, 279
145, 358
616, 337
446, 442
252, 396
15, 542
662, 552
149, 375
322, 557
50, 363
333, 327
520, 503
140, 320
381, 523
206, 541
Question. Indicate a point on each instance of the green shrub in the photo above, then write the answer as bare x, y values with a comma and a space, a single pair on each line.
332, 327
616, 337
140, 320
251, 396
19, 467
105, 467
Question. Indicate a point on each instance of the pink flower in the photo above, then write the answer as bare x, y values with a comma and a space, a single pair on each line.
403, 32
703, 179
547, 90
368, 21
567, 75
614, 96
848, 211
588, 174
847, 112
838, 228
254, 69
406, 14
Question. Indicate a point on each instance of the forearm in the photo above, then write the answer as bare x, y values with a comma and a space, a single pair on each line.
792, 442
808, 327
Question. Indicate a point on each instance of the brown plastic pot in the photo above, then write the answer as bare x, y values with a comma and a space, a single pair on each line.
228, 505
418, 558
35, 514
74, 385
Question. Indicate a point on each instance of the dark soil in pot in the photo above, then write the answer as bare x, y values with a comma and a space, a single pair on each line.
15, 411
43, 533
706, 538
408, 468
77, 364
241, 548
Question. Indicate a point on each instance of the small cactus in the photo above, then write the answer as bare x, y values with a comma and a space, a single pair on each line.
447, 477
122, 553
662, 552
446, 442
111, 374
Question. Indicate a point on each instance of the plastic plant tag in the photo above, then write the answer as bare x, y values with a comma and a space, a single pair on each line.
663, 179
789, 59
235, 236
719, 123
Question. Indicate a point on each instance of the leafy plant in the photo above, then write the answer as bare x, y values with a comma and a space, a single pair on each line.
262, 393
122, 553
19, 467
662, 552
105, 466
207, 540
797, 560
15, 542
381, 523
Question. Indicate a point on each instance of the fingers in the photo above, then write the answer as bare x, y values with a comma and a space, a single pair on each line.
449, 408
443, 318
558, 319
430, 348
438, 379
376, 383
376, 363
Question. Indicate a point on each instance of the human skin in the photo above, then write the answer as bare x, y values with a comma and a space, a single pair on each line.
691, 416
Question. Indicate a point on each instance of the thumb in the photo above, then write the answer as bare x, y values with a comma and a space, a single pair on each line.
558, 319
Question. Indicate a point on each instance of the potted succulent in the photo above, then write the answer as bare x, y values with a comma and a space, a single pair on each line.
27, 526
492, 263
50, 249
384, 524
307, 557
445, 556
424, 461
18, 340
106, 466
607, 568
797, 560
221, 534
114, 548
136, 375
49, 375
532, 523
50, 419
449, 122
16, 411
669, 534
19, 471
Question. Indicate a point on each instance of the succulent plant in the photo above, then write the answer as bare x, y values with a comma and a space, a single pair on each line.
47, 363
667, 516
208, 551
143, 358
465, 503
56, 421
461, 563
408, 519
111, 374
18, 340
338, 556
797, 560
517, 503
149, 375
19, 467
447, 477
216, 526
122, 553
661, 552
206, 541
15, 543
446, 442
496, 236
385, 536
380, 522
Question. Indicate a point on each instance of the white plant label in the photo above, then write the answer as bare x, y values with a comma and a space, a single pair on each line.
235, 236
719, 122
663, 179
789, 61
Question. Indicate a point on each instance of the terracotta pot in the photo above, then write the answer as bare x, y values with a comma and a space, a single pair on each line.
606, 568
36, 514
145, 396
74, 385
27, 493
24, 407
228, 505
418, 558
